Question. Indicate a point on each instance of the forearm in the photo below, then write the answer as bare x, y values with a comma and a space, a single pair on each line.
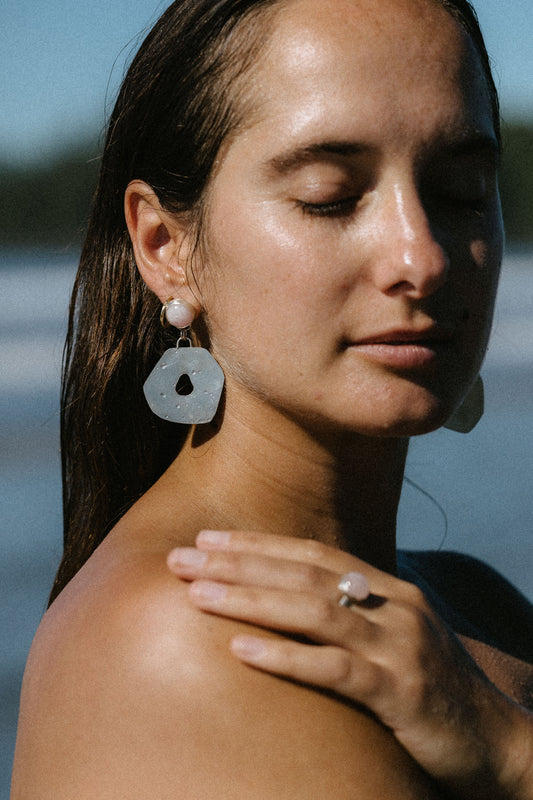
517, 772
505, 767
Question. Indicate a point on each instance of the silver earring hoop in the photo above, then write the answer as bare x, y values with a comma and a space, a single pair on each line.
184, 366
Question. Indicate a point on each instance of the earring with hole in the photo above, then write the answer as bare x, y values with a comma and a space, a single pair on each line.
186, 383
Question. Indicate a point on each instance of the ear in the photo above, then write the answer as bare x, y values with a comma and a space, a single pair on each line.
161, 244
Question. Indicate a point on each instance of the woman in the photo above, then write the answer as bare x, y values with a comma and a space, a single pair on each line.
315, 186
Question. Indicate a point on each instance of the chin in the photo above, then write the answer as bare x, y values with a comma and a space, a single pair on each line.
400, 407
405, 425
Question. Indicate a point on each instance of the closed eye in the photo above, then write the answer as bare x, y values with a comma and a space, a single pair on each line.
469, 182
336, 208
460, 201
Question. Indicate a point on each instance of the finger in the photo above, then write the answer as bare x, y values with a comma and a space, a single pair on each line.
328, 667
293, 549
252, 569
288, 547
316, 617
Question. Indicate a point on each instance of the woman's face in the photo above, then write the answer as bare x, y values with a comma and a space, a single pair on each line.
353, 226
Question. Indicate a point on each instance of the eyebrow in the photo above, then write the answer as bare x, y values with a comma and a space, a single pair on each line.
307, 154
474, 144
294, 159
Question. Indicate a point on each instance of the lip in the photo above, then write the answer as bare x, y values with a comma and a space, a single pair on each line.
406, 348
429, 333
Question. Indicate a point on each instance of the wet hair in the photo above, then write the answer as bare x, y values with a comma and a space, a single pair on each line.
464, 13
181, 98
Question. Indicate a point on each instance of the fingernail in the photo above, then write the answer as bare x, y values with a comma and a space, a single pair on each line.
249, 648
186, 557
208, 590
213, 538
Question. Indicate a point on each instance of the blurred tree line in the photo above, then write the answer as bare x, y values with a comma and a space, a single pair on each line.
47, 205
516, 181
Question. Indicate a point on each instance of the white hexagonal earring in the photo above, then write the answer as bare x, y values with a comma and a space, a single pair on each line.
186, 383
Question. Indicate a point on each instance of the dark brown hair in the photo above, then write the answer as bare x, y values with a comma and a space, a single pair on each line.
178, 103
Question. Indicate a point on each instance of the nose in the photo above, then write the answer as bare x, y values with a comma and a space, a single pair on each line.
410, 260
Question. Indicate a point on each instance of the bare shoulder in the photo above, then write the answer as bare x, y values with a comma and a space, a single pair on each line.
131, 692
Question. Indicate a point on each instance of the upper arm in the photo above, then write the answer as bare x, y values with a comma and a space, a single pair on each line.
136, 695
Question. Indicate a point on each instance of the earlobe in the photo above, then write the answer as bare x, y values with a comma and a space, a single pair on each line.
159, 243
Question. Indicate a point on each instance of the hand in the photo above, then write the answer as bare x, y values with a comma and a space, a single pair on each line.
390, 653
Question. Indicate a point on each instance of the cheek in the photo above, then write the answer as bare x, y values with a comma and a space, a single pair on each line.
268, 261
266, 232
481, 296
486, 254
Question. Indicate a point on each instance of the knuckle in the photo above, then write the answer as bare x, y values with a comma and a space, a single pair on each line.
408, 621
313, 551
340, 669
372, 682
322, 611
308, 575
414, 595
417, 632
289, 656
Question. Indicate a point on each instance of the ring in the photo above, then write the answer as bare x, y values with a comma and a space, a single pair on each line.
354, 587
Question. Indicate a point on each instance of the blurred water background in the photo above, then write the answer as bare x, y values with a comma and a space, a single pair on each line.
482, 481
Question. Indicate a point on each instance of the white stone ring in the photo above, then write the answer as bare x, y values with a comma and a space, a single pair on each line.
354, 587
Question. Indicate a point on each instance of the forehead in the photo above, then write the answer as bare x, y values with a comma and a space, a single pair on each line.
393, 63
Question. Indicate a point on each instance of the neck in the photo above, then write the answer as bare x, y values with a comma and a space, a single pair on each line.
343, 490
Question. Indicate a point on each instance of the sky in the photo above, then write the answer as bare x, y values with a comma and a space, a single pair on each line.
61, 62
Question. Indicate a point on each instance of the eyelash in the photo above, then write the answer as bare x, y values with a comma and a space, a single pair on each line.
338, 208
